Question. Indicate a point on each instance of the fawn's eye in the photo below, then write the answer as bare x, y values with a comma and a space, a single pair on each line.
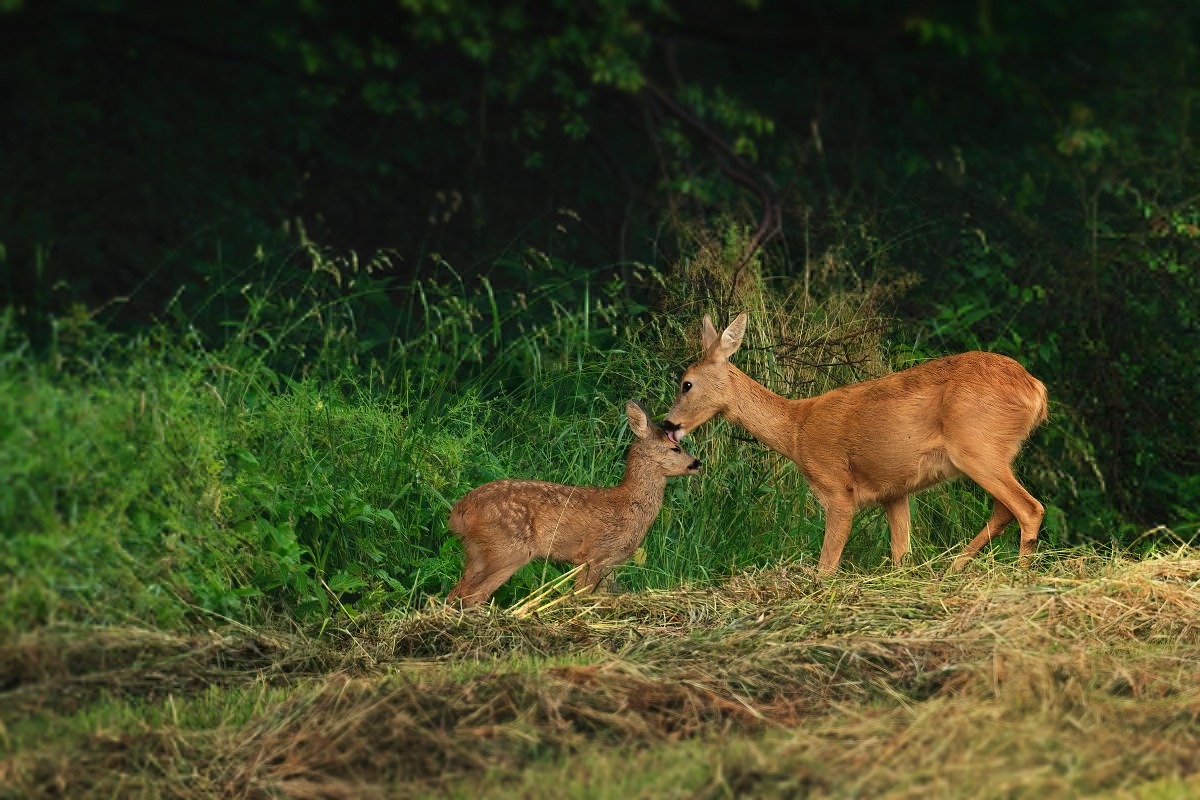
687, 385
676, 450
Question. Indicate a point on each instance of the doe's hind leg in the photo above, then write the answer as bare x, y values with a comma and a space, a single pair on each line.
1011, 501
1000, 519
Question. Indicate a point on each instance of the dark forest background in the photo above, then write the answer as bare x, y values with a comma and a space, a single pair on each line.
1022, 176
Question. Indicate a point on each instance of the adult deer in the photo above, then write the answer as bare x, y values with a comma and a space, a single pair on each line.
877, 442
506, 524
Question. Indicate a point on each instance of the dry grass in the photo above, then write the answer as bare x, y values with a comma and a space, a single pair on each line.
1078, 677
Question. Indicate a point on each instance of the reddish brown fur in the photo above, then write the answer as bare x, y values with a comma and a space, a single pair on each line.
877, 442
506, 524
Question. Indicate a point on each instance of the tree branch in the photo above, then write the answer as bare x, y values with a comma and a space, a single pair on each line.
736, 169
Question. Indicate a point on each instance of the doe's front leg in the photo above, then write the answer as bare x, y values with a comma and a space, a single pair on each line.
839, 518
900, 525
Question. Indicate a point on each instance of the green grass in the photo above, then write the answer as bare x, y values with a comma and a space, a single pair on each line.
305, 462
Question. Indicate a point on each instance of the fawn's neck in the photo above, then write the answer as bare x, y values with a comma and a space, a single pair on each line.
773, 419
642, 486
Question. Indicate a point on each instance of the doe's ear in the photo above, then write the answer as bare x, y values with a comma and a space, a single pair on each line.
639, 419
730, 340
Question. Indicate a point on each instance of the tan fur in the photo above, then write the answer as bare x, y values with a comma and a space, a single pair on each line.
506, 524
877, 442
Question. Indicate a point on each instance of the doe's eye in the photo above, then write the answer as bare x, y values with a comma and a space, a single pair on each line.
687, 385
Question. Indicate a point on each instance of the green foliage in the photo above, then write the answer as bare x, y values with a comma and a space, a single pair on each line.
327, 496
110, 471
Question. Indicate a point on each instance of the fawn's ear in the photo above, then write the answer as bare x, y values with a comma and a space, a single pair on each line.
708, 334
639, 419
730, 340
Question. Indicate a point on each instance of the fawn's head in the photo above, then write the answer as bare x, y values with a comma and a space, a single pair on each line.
705, 389
653, 444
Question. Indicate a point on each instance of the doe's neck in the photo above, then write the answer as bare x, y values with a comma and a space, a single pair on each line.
771, 418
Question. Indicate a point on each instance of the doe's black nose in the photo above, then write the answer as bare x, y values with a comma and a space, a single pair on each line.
695, 464
669, 426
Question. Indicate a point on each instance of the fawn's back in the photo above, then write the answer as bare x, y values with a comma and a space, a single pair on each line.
546, 520
505, 524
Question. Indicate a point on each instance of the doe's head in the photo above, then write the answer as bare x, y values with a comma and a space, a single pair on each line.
655, 446
705, 389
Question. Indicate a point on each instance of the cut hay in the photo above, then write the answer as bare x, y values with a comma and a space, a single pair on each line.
1082, 675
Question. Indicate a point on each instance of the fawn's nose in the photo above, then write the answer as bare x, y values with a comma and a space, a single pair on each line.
695, 464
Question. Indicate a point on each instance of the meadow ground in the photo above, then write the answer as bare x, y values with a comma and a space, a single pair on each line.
1079, 677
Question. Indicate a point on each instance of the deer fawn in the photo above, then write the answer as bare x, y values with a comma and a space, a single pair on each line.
877, 442
506, 524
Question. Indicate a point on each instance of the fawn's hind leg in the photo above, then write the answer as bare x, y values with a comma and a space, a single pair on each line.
485, 572
493, 572
472, 570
